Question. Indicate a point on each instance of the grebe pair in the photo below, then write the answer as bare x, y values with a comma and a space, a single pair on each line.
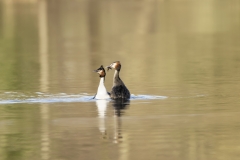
119, 90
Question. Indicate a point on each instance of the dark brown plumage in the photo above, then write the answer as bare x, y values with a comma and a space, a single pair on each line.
119, 90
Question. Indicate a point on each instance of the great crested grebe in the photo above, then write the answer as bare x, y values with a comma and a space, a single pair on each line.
119, 90
101, 92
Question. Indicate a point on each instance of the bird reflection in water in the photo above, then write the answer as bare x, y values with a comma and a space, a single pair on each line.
118, 106
102, 107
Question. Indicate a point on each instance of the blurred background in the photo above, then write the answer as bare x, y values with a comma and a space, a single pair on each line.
186, 50
54, 45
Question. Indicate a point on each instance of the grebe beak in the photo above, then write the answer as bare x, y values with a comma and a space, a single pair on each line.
108, 67
95, 70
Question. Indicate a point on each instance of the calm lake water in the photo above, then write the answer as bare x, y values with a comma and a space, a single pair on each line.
180, 60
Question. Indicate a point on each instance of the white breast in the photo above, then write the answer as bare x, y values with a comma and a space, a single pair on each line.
102, 92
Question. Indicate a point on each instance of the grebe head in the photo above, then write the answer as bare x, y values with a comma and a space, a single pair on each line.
101, 71
115, 65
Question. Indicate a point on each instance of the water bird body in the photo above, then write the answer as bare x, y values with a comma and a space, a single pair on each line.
102, 91
119, 90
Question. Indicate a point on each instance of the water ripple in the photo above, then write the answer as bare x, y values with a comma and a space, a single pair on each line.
40, 97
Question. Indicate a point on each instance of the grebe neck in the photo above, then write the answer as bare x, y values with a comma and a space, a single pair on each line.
116, 78
102, 79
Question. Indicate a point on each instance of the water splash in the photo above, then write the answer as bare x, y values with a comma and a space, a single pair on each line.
146, 97
40, 97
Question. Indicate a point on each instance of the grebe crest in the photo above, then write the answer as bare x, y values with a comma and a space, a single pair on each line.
101, 92
119, 90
